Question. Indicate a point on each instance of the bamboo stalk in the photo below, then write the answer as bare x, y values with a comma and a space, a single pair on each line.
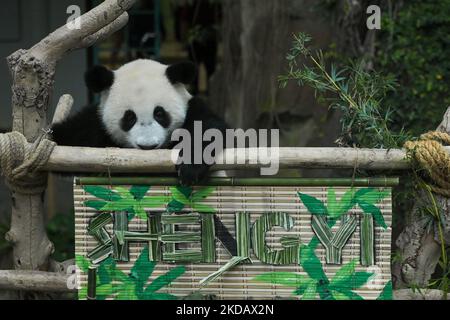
77, 159
165, 181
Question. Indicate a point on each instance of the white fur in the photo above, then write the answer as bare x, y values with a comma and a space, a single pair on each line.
141, 86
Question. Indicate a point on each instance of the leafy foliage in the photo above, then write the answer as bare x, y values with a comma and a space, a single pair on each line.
134, 200
186, 197
413, 47
112, 282
366, 198
357, 93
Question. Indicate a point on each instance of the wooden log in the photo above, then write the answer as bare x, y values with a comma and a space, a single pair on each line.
76, 159
34, 281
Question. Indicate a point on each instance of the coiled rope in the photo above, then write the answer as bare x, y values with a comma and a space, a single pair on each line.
429, 154
20, 162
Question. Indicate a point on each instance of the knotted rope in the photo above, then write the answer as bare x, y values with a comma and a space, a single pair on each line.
430, 154
20, 162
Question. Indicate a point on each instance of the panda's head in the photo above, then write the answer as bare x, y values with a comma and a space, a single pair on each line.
143, 102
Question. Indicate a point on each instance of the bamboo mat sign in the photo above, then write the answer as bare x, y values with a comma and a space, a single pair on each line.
146, 238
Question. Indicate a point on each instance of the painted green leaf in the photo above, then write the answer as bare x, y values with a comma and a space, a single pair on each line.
159, 296
127, 291
386, 294
165, 279
347, 202
360, 278
120, 205
175, 206
311, 264
154, 201
143, 268
343, 294
373, 196
82, 263
102, 193
179, 196
344, 274
314, 205
310, 292
202, 208
124, 193
375, 212
140, 212
202, 194
96, 204
332, 204
139, 192
288, 279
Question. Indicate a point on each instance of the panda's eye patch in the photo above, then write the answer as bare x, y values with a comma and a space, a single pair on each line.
128, 121
162, 117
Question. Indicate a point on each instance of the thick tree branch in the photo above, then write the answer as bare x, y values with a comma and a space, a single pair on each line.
101, 20
34, 281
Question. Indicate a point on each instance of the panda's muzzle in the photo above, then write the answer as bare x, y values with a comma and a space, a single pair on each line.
147, 147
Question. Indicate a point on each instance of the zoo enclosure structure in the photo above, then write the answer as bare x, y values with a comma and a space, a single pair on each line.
26, 158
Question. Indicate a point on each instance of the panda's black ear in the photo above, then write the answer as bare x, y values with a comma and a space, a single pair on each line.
99, 78
183, 72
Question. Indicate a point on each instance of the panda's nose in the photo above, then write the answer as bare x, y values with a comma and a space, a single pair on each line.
147, 146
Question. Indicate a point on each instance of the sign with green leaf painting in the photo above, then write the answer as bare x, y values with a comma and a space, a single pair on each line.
149, 239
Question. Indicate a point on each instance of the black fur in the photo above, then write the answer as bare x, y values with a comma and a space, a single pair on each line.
183, 72
84, 129
99, 78
198, 111
128, 120
162, 117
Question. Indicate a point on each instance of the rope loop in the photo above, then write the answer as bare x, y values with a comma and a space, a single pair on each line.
21, 162
430, 154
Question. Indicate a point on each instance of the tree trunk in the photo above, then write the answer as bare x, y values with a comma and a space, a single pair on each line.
420, 247
33, 74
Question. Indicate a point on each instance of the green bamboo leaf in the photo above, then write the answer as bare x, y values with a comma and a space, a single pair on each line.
105, 290
202, 194
360, 278
82, 263
140, 212
344, 274
342, 294
139, 192
375, 212
288, 279
347, 202
125, 193
159, 296
120, 205
332, 204
105, 270
311, 292
154, 201
202, 208
143, 268
175, 206
127, 291
386, 294
373, 196
311, 264
97, 205
179, 196
82, 293
165, 279
314, 205
102, 193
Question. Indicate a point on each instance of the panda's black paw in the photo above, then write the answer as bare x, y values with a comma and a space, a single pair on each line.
192, 174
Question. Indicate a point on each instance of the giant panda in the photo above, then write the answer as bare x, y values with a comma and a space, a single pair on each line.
141, 104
